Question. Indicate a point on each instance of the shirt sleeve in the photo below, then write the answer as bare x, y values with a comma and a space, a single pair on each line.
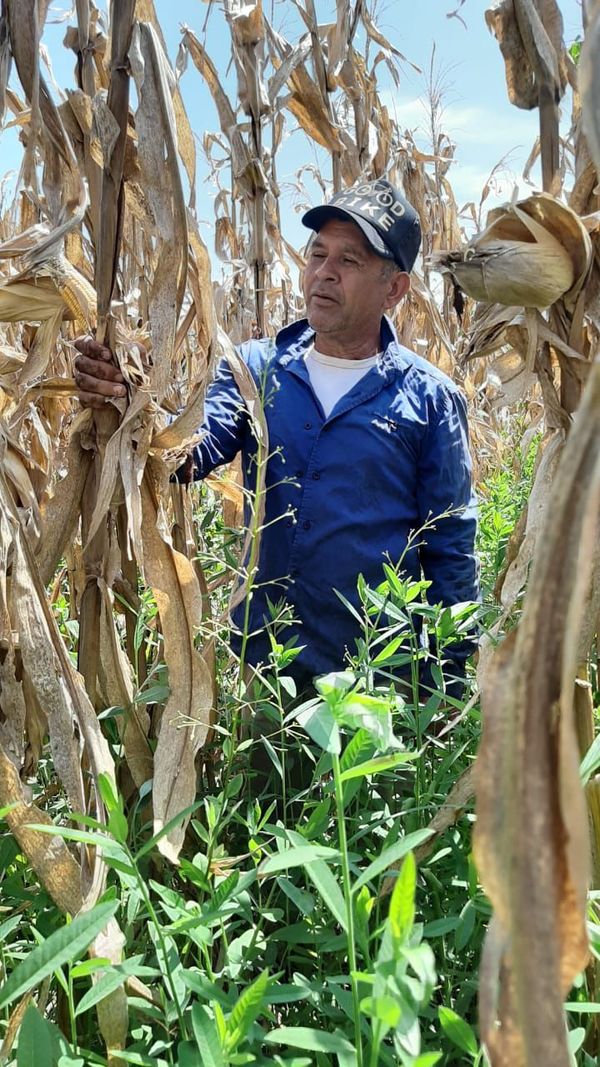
223, 428
447, 552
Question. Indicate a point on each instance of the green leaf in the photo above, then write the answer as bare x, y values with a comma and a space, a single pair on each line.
575, 1039
166, 829
246, 1010
324, 882
200, 984
102, 988
155, 694
458, 1031
402, 904
591, 761
465, 926
118, 826
305, 902
61, 947
224, 890
83, 970
377, 765
360, 744
109, 848
107, 792
581, 1007
439, 927
320, 724
371, 713
187, 1054
574, 50
389, 650
136, 1058
207, 1037
385, 1008
297, 856
335, 683
306, 1038
35, 1049
391, 855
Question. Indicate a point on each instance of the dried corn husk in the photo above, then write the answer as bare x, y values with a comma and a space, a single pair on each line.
532, 253
54, 285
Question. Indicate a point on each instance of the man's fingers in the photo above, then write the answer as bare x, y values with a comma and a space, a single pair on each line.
90, 385
88, 346
97, 369
92, 400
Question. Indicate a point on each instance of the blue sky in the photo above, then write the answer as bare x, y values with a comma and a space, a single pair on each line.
466, 61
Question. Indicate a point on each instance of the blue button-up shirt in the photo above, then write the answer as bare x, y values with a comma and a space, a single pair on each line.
344, 491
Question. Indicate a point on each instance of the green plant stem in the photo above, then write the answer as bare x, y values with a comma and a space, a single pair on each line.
282, 749
159, 934
72, 1019
252, 560
339, 802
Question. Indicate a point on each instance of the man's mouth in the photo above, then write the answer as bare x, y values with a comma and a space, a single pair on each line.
324, 298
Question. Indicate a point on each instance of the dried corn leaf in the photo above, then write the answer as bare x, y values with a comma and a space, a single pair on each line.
188, 714
146, 12
306, 101
549, 456
158, 163
541, 28
589, 74
376, 35
527, 776
49, 856
73, 725
60, 511
115, 679
113, 1013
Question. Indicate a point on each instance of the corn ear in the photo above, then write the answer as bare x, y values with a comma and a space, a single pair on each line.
40, 291
531, 254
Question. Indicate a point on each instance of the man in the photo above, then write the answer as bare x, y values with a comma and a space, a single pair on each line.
366, 440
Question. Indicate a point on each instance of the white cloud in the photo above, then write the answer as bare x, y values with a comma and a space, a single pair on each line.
466, 123
483, 140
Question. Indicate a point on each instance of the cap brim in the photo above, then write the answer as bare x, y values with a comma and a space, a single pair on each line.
318, 216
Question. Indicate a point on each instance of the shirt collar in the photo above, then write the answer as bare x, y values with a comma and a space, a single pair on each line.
293, 341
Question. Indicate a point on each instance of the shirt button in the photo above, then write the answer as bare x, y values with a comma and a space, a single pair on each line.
316, 476
307, 524
299, 474
308, 425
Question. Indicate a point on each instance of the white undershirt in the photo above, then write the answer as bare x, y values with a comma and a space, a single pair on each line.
332, 377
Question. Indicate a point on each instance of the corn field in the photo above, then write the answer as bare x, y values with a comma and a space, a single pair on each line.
121, 706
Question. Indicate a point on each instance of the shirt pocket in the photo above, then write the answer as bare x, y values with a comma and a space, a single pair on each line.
396, 432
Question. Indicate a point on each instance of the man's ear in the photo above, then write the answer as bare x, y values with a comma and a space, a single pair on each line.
398, 288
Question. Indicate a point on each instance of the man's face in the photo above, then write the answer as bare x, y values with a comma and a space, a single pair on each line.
346, 286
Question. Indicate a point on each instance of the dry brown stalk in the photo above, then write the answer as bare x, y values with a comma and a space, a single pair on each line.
538, 941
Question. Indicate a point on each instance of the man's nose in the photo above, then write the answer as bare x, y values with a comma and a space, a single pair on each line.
327, 267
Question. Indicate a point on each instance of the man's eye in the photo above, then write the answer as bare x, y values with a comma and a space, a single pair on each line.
353, 262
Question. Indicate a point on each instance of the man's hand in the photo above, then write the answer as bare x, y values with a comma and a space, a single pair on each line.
96, 376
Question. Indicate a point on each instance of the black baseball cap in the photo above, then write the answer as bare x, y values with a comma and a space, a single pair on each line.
390, 224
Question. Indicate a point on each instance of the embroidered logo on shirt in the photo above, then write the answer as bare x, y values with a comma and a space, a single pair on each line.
385, 423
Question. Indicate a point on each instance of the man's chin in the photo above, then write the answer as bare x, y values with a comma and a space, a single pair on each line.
322, 321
